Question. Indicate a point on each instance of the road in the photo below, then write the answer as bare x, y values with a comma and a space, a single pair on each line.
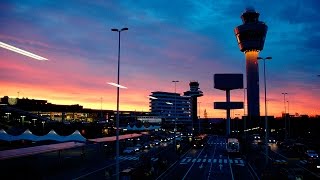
209, 162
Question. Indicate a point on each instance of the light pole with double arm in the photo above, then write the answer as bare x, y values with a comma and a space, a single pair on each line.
285, 115
175, 112
117, 120
265, 107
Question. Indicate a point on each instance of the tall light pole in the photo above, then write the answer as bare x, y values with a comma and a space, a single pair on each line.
265, 107
175, 112
288, 120
199, 116
34, 121
244, 115
285, 115
8, 116
22, 122
117, 121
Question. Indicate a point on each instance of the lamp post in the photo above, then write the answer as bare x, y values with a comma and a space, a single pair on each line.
288, 120
117, 121
22, 122
285, 116
43, 122
199, 117
265, 106
175, 112
8, 116
34, 122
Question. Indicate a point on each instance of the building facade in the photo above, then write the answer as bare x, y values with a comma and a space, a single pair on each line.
170, 107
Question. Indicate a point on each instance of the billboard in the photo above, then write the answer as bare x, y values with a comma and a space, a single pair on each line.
230, 105
228, 81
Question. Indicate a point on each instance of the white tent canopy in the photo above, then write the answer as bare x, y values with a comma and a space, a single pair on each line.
52, 136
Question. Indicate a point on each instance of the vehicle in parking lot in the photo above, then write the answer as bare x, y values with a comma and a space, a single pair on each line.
129, 150
137, 147
256, 136
146, 145
271, 140
311, 154
156, 142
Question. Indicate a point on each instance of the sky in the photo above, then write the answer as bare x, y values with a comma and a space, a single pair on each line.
167, 40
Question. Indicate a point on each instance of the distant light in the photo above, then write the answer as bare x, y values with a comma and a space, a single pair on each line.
151, 97
23, 52
169, 103
117, 85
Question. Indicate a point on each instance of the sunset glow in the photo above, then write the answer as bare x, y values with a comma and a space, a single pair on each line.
187, 42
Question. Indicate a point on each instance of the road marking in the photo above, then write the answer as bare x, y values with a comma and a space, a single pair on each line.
220, 160
241, 161
215, 160
303, 161
236, 161
199, 160
204, 160
230, 160
192, 164
183, 160
209, 160
194, 160
225, 161
188, 160
231, 169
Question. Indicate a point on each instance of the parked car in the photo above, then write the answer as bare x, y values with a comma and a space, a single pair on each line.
146, 145
311, 154
129, 150
271, 140
137, 147
156, 142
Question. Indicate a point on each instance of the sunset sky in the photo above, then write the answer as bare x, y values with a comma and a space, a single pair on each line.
167, 40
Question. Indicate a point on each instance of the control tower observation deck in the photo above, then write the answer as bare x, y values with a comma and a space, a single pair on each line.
251, 37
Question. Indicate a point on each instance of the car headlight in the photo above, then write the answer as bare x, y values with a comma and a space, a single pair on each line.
194, 145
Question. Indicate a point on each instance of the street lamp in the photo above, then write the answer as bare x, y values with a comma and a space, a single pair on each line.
199, 116
22, 122
34, 122
175, 112
285, 116
8, 115
43, 122
288, 119
265, 105
117, 121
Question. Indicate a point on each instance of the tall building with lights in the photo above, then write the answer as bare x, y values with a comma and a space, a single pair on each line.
171, 106
251, 37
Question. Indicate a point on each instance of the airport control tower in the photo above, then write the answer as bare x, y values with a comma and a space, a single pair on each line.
194, 92
251, 36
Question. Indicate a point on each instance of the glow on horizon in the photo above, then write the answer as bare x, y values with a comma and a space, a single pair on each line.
117, 85
23, 52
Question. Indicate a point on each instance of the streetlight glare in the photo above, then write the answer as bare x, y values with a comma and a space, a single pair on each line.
23, 52
169, 103
117, 85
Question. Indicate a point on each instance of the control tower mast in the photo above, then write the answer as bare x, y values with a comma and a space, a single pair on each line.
251, 37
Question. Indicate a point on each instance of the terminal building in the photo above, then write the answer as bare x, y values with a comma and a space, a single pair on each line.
30, 109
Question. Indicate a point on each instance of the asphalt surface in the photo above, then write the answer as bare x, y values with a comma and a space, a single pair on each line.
209, 162
161, 162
